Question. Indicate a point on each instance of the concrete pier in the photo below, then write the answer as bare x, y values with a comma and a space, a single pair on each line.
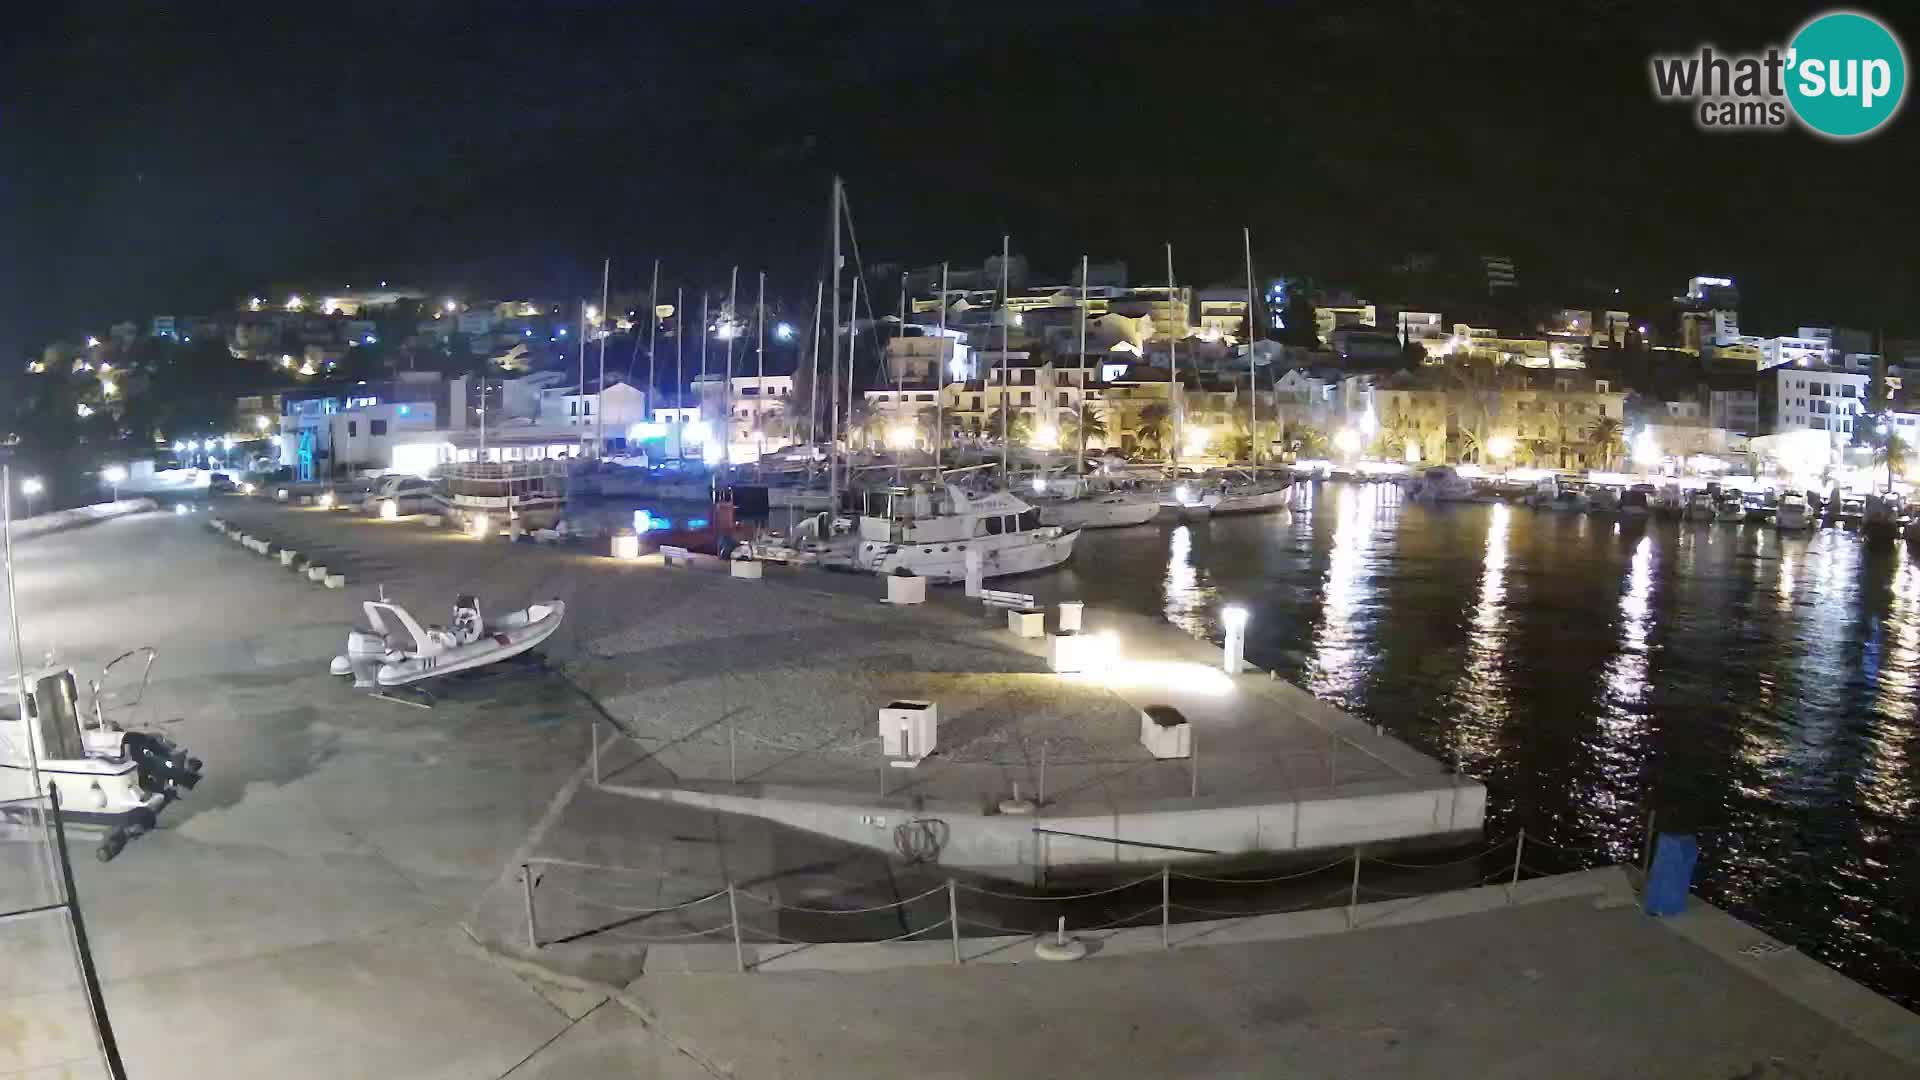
342, 895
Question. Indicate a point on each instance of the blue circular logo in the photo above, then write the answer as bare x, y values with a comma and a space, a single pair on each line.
1847, 74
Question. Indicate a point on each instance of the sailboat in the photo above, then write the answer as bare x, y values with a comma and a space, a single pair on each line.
1080, 502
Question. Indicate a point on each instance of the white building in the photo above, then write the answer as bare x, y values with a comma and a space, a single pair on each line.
1798, 351
1809, 399
320, 437
567, 407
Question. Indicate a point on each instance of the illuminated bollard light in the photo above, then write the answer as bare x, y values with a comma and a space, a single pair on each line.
1235, 619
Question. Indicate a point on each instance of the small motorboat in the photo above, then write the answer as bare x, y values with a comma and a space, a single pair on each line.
1792, 513
1637, 501
1700, 505
375, 656
1604, 499
1441, 483
107, 778
1730, 508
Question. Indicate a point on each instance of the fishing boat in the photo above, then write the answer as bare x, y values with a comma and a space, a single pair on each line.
1637, 501
483, 495
1441, 483
379, 655
1881, 517
1243, 491
109, 779
930, 533
1792, 512
1700, 505
1075, 502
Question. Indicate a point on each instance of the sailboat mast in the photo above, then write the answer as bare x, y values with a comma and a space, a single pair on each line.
853, 339
833, 399
581, 390
679, 371
940, 377
1253, 377
600, 392
1006, 393
813, 380
900, 378
726, 390
653, 323
1173, 367
700, 394
1080, 459
760, 392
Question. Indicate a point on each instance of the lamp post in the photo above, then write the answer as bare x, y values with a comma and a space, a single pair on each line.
30, 487
1234, 617
114, 474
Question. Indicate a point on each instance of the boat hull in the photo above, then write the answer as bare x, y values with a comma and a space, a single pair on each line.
948, 562
1098, 513
1255, 502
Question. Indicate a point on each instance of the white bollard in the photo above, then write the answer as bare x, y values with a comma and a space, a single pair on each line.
1235, 619
287, 557
335, 581
1070, 616
976, 572
316, 573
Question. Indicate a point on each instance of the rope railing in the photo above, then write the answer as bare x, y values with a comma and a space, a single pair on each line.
1354, 892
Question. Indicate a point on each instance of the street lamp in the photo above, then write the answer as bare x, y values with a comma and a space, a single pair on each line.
115, 474
30, 487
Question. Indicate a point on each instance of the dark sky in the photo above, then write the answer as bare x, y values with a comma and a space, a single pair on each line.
167, 161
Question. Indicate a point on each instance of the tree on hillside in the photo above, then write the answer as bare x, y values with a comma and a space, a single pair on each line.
1299, 321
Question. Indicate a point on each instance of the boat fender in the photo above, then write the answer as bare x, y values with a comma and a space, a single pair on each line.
99, 796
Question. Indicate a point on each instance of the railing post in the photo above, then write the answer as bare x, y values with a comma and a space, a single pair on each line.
953, 917
1519, 845
526, 881
1353, 892
1042, 799
733, 916
733, 760
1166, 906
1333, 763
596, 751
1646, 848
1193, 763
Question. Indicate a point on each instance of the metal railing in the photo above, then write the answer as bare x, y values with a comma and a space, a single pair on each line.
979, 909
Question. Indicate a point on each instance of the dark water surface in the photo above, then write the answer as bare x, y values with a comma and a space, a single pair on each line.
1760, 690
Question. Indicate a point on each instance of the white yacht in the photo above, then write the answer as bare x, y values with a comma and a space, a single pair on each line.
1077, 502
930, 533
1441, 483
1792, 513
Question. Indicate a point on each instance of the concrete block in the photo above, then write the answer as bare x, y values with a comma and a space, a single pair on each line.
316, 573
909, 730
907, 589
1027, 624
1070, 611
431, 521
1072, 652
747, 569
1165, 732
287, 557
306, 500
335, 581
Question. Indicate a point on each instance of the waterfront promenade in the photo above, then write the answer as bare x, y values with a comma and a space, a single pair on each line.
313, 909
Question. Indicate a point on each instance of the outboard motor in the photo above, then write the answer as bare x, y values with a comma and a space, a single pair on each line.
164, 767
467, 625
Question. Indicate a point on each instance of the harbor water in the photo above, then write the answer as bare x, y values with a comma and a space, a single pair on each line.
1758, 689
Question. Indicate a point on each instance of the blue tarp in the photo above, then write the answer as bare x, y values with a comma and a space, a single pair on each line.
1672, 874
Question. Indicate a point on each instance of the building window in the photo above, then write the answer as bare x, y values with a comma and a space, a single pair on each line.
1026, 397
1063, 399
573, 408
353, 428
376, 427
586, 408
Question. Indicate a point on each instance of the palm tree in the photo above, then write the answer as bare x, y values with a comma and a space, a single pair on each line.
1606, 436
1155, 428
1312, 441
1071, 432
1018, 426
1396, 431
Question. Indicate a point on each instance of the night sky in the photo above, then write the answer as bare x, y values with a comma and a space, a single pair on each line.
160, 162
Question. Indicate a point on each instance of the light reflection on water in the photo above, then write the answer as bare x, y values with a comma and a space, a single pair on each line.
1760, 688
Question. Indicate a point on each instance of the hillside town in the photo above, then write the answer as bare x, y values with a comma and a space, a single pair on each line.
326, 385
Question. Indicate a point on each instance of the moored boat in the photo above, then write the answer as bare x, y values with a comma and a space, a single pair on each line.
1792, 513
930, 533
